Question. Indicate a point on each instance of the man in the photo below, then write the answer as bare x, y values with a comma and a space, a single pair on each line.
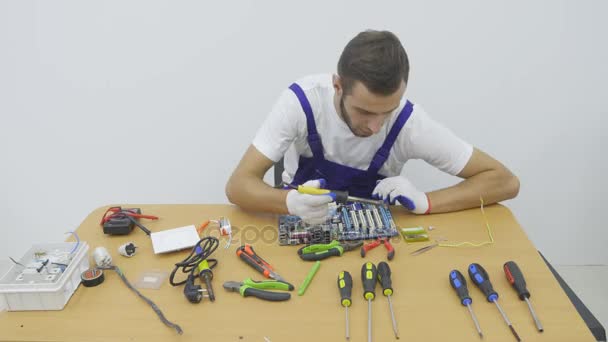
354, 131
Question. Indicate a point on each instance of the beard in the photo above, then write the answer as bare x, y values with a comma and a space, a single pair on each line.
349, 122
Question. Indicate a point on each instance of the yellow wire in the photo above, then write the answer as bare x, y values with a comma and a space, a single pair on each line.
483, 213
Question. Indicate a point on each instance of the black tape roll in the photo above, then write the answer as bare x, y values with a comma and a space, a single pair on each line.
92, 277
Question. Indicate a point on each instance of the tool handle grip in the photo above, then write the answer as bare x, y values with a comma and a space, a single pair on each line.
345, 285
389, 248
384, 277
318, 247
516, 278
459, 283
369, 276
369, 246
248, 249
268, 284
321, 255
266, 295
340, 197
480, 278
251, 262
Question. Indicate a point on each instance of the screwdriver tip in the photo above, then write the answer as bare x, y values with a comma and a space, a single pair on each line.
515, 333
481, 336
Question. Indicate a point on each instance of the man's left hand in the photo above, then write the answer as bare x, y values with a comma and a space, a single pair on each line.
400, 189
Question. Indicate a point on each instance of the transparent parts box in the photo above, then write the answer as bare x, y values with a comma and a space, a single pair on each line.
45, 278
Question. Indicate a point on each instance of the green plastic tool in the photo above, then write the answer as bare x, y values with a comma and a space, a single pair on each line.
309, 277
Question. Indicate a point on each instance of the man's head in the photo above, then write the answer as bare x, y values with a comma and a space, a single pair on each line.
372, 75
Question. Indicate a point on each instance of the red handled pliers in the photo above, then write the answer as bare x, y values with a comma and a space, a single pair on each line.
369, 246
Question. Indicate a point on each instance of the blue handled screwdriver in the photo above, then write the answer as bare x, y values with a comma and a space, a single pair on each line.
460, 285
479, 276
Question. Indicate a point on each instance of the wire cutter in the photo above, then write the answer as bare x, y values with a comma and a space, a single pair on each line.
323, 251
369, 246
252, 288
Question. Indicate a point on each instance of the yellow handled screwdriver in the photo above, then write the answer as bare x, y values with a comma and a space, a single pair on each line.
337, 195
369, 277
345, 285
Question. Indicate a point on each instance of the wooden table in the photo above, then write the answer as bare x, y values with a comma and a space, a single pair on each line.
426, 307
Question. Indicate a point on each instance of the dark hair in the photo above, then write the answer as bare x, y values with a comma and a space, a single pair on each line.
375, 58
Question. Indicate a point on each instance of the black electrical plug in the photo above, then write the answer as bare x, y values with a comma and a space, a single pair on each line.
191, 291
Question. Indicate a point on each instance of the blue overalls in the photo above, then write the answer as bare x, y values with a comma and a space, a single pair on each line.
360, 183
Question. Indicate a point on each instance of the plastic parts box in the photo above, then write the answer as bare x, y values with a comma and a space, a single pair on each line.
49, 276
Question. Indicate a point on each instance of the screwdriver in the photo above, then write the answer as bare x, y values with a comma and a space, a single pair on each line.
337, 195
384, 277
460, 285
516, 278
345, 285
369, 276
479, 276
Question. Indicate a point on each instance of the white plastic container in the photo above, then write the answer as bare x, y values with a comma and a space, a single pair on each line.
24, 288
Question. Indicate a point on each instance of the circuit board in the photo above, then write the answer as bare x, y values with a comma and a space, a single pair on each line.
351, 221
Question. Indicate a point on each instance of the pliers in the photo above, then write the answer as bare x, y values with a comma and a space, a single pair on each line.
369, 246
323, 251
249, 287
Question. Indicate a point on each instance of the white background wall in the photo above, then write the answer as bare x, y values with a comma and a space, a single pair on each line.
155, 102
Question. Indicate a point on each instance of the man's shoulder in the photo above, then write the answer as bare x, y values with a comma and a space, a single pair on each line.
315, 82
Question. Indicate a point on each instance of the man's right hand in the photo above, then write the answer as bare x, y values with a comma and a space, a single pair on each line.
312, 209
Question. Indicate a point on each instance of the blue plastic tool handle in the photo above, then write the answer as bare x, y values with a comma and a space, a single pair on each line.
480, 278
460, 285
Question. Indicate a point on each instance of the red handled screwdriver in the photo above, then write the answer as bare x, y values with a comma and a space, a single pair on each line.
516, 279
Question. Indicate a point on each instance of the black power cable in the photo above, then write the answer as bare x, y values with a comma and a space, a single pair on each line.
201, 251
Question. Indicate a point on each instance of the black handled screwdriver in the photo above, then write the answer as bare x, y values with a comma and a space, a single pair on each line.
369, 276
479, 276
516, 278
460, 285
345, 285
384, 277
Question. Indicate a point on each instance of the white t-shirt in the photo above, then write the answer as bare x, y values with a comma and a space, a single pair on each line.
284, 133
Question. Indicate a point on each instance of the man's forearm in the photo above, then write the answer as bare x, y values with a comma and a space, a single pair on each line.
493, 186
253, 194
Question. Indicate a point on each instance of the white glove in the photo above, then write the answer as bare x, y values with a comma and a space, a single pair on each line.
311, 209
400, 189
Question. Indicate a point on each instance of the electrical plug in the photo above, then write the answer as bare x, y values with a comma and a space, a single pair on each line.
192, 292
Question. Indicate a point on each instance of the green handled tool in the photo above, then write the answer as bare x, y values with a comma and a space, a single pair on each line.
384, 277
309, 277
320, 247
345, 286
322, 251
369, 276
253, 288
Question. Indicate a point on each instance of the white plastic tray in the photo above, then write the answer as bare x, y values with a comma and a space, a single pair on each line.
23, 289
